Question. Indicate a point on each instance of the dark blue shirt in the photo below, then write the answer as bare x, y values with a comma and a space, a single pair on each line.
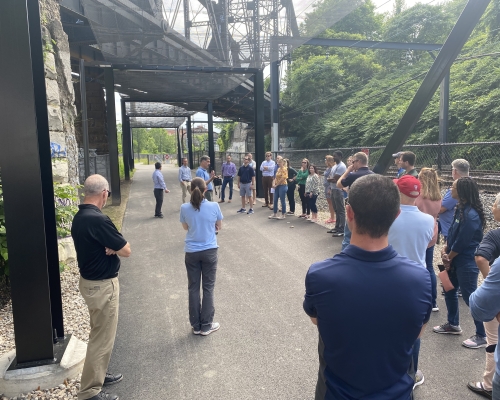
246, 173
370, 307
349, 180
465, 234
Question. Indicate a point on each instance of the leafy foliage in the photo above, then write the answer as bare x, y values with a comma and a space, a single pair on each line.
336, 97
224, 139
65, 199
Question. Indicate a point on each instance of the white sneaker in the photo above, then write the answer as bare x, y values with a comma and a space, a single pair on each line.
419, 378
215, 327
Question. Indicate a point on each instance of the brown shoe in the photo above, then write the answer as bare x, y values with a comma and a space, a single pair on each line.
221, 201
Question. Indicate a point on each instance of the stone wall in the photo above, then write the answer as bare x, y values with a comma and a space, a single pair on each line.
60, 94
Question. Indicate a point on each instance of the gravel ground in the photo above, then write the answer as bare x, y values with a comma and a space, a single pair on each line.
76, 322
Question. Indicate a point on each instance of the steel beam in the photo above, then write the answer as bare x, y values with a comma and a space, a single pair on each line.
126, 148
131, 161
444, 108
25, 136
275, 97
114, 168
85, 121
178, 147
259, 129
211, 146
179, 68
453, 45
190, 143
362, 44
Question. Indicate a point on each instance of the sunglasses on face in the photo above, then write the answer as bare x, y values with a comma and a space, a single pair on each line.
106, 190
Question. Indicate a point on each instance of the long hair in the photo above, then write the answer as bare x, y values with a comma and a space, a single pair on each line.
315, 169
307, 164
468, 194
430, 184
198, 187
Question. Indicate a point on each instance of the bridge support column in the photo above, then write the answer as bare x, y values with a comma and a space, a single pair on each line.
258, 86
126, 147
190, 142
211, 146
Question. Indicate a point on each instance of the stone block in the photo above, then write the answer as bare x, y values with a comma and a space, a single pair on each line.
60, 171
14, 383
67, 252
58, 137
55, 118
52, 88
50, 66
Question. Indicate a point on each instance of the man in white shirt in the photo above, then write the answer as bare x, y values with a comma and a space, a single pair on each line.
253, 164
185, 178
337, 194
267, 168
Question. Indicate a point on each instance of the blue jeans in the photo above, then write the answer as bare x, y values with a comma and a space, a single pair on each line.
464, 274
225, 181
280, 193
312, 203
347, 236
496, 387
429, 256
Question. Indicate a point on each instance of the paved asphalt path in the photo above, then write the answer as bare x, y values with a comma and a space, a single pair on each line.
266, 347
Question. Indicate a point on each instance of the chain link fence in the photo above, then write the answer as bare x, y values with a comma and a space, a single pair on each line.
99, 164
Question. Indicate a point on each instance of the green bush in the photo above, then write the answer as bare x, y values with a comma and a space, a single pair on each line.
65, 199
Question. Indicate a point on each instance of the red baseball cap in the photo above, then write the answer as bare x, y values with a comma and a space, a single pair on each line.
408, 185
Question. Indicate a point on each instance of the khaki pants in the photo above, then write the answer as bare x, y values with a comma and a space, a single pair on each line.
186, 187
491, 329
102, 298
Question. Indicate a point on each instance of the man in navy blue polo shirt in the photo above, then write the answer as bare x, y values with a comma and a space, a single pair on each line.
370, 304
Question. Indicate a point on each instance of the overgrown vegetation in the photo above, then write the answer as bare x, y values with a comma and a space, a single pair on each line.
65, 199
226, 131
338, 97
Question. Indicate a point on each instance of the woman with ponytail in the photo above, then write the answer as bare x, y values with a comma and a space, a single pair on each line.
201, 219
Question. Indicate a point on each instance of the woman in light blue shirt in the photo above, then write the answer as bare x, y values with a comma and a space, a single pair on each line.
202, 219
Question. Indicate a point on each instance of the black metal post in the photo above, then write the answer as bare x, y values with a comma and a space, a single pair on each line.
178, 147
211, 146
25, 135
114, 168
85, 122
131, 136
125, 141
275, 97
190, 143
444, 108
451, 48
258, 86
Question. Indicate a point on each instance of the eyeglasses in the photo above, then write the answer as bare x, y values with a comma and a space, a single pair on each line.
106, 190
245, 159
304, 162
355, 161
269, 155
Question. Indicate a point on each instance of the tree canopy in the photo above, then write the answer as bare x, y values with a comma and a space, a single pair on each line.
346, 97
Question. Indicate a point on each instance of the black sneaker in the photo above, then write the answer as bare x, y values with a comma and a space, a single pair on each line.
104, 396
332, 231
111, 379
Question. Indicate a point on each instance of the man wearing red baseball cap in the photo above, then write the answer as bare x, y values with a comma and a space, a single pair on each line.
410, 235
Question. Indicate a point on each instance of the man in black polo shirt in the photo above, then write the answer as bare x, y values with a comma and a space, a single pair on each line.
98, 245
357, 169
246, 182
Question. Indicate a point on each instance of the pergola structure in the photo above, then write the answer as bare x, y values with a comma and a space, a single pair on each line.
25, 157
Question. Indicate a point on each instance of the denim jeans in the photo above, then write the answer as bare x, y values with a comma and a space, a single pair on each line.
464, 274
290, 194
496, 387
225, 181
312, 203
280, 194
201, 267
429, 256
303, 199
347, 236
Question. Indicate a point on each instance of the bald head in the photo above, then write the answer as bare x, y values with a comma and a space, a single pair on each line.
95, 185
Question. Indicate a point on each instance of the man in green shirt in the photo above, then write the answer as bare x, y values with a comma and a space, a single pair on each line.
408, 163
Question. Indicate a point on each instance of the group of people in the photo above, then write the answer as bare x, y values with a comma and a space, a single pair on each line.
384, 272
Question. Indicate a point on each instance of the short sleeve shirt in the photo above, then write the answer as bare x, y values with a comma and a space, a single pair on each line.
246, 174
201, 226
446, 218
489, 248
395, 302
351, 178
337, 169
203, 173
92, 232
